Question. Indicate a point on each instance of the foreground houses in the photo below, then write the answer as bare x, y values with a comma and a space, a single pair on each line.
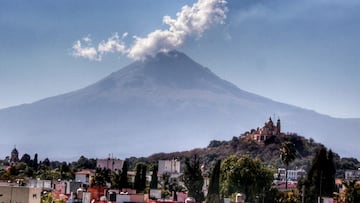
85, 176
75, 183
19, 194
293, 175
352, 174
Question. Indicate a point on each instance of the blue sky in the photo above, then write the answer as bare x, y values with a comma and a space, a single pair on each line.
304, 53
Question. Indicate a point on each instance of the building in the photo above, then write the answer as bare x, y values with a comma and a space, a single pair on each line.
110, 163
293, 175
168, 166
267, 131
352, 175
16, 194
84, 176
61, 187
14, 157
43, 184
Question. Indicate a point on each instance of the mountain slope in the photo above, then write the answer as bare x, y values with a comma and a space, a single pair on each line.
165, 103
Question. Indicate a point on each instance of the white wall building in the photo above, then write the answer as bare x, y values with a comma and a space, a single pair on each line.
84, 176
293, 175
37, 183
168, 166
352, 174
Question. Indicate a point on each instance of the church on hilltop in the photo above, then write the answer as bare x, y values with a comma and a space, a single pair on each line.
268, 130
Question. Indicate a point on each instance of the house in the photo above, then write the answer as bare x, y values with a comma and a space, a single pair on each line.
43, 184
352, 175
84, 176
20, 194
292, 175
168, 166
110, 163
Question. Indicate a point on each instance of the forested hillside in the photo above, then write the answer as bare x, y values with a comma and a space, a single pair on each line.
267, 151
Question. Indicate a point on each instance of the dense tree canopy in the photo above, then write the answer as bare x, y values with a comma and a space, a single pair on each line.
102, 176
320, 179
193, 178
154, 178
124, 182
352, 191
213, 195
140, 177
245, 175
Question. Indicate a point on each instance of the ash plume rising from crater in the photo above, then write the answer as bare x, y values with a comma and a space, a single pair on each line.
191, 21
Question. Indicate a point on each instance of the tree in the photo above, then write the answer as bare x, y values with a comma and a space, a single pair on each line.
213, 195
115, 180
287, 155
85, 163
102, 176
26, 159
35, 163
137, 178
329, 185
140, 177
352, 191
165, 185
124, 182
246, 175
65, 171
193, 178
154, 178
320, 179
143, 177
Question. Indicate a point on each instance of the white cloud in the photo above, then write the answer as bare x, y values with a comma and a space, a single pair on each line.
113, 44
189, 22
85, 52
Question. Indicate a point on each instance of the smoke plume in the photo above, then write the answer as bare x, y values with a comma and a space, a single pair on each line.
189, 22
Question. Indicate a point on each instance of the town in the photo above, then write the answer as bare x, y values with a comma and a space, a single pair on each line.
234, 178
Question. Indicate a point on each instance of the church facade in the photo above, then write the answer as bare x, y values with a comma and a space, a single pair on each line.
268, 130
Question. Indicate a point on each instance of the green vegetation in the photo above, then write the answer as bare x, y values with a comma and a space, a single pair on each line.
352, 191
320, 180
102, 176
193, 178
154, 177
267, 152
213, 195
246, 175
140, 177
238, 165
124, 181
287, 155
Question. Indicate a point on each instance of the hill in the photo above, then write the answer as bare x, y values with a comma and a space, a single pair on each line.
164, 103
268, 152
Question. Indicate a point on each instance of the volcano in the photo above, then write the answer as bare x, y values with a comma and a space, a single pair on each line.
162, 104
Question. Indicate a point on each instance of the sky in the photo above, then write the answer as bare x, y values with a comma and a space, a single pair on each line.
304, 53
